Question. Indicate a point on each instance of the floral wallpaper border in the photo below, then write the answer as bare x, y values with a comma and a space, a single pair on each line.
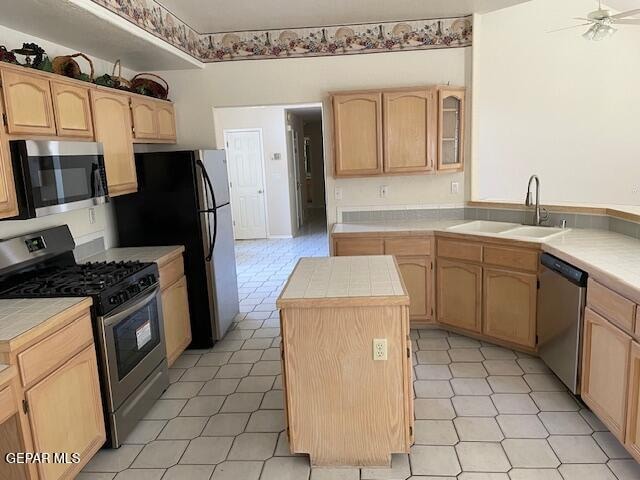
297, 42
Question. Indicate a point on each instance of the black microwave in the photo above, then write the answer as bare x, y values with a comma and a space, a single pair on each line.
54, 177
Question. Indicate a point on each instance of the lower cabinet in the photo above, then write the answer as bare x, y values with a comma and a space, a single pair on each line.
605, 366
11, 438
177, 323
459, 294
343, 247
417, 273
65, 414
509, 306
632, 437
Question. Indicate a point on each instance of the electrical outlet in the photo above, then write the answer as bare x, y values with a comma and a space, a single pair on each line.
455, 187
337, 193
92, 216
379, 348
635, 189
383, 191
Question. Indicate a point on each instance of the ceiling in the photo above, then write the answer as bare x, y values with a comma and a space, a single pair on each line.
208, 16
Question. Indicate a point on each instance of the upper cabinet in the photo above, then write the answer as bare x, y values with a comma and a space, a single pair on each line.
451, 129
28, 106
112, 117
166, 118
72, 108
153, 120
8, 201
357, 120
398, 132
409, 131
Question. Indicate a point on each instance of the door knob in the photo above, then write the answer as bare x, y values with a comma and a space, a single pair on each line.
259, 191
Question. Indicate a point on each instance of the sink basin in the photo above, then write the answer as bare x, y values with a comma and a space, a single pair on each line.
538, 233
483, 226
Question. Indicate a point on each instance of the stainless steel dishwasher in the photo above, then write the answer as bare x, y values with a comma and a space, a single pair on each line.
561, 301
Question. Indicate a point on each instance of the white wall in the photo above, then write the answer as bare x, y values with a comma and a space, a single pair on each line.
278, 174
308, 80
78, 221
556, 105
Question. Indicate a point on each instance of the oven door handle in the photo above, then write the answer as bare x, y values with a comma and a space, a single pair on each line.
113, 318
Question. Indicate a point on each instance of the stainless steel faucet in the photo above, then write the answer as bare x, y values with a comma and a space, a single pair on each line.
541, 213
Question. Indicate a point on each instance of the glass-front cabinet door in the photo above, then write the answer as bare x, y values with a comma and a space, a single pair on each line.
451, 129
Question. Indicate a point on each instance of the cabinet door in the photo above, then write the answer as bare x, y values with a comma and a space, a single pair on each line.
459, 294
632, 440
112, 119
417, 275
510, 306
357, 121
409, 131
27, 100
165, 115
143, 113
344, 247
605, 367
65, 413
177, 323
450, 129
8, 201
72, 109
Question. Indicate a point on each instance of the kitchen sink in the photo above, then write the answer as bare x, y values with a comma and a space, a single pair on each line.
538, 233
483, 226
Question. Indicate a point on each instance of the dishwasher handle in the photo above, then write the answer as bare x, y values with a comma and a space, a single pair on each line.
566, 270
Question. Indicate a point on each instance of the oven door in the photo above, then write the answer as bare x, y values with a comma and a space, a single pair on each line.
59, 176
133, 337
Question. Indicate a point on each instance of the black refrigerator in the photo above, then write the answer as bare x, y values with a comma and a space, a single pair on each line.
183, 199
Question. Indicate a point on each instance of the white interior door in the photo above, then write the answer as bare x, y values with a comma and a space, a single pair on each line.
246, 183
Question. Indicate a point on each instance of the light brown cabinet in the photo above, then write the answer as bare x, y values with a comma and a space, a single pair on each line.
605, 371
166, 120
11, 429
72, 109
509, 306
632, 437
153, 120
409, 130
65, 414
344, 247
459, 293
451, 129
417, 274
8, 200
112, 118
357, 124
28, 105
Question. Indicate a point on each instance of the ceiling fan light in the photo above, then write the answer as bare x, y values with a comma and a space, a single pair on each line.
603, 32
590, 34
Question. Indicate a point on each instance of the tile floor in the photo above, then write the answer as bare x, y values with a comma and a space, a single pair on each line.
482, 412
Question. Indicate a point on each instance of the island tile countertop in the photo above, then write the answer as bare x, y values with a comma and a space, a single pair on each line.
24, 315
317, 279
159, 255
610, 258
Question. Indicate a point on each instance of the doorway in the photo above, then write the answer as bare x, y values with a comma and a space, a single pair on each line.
246, 182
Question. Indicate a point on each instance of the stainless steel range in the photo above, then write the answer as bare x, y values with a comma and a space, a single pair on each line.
126, 314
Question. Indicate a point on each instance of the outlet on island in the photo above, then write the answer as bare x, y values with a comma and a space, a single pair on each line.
379, 348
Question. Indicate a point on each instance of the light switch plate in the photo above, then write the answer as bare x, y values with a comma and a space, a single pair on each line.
379, 348
337, 193
455, 187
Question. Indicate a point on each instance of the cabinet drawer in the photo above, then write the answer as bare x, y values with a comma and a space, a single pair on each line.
511, 257
460, 250
171, 272
7, 404
48, 354
407, 246
358, 246
612, 306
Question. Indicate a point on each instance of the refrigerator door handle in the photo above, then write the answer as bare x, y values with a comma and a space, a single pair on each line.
209, 184
212, 242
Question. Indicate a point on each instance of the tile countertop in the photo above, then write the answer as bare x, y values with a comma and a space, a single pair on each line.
611, 258
159, 255
19, 316
343, 278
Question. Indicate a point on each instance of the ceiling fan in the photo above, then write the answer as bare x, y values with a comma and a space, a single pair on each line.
601, 22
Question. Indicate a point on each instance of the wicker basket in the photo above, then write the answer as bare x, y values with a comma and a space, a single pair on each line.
149, 87
67, 66
119, 79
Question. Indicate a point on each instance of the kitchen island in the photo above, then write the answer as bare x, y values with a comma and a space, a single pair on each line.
346, 358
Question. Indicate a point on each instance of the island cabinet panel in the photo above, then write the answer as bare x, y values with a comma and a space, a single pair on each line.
112, 118
345, 408
72, 109
358, 134
632, 440
459, 294
409, 131
605, 367
11, 440
65, 414
510, 306
27, 100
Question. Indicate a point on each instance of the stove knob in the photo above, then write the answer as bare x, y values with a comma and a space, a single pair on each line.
114, 300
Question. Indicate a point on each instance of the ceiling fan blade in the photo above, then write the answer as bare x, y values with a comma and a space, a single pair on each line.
567, 28
583, 18
628, 13
627, 21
